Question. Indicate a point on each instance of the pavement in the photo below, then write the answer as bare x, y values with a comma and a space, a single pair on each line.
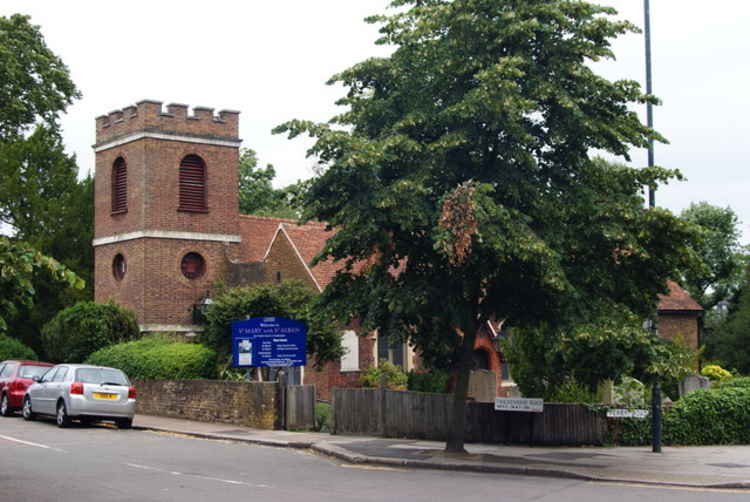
699, 467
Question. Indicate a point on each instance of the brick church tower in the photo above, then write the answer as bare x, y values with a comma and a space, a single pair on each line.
166, 209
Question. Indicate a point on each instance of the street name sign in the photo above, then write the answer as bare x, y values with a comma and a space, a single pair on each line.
533, 405
269, 342
625, 413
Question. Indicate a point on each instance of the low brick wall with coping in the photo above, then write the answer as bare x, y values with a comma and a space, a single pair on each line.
250, 404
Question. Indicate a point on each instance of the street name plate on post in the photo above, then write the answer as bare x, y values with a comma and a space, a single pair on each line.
534, 405
269, 342
625, 413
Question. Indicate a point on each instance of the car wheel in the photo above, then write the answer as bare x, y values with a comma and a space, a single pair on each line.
124, 423
5, 406
26, 409
63, 420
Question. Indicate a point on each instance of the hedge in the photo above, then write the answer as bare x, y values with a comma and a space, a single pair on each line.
735, 382
704, 417
10, 348
155, 358
78, 331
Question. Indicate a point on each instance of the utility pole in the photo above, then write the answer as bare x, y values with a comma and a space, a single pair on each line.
656, 389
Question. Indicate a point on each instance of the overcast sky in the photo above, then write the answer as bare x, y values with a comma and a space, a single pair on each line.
271, 59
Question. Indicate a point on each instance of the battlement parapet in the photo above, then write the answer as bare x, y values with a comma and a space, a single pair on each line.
149, 115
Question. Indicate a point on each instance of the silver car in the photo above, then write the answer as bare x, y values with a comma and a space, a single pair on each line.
83, 392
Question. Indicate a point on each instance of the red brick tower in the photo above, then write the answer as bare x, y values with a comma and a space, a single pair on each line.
166, 209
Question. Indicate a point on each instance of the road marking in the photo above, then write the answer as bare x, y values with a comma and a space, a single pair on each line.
198, 476
372, 467
667, 487
29, 443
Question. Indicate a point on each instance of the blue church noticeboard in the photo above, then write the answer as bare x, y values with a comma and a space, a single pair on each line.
269, 341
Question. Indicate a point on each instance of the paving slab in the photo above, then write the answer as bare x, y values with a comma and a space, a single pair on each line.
704, 466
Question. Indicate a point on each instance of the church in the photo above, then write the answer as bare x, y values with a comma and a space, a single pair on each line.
168, 229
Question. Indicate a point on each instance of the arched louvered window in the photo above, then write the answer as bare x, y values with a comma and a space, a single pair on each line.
119, 186
193, 184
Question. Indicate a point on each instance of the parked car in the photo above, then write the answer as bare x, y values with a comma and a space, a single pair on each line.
81, 392
15, 378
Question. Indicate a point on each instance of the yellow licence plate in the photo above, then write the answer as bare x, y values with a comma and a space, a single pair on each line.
100, 395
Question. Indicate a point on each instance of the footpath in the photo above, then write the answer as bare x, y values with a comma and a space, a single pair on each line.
703, 467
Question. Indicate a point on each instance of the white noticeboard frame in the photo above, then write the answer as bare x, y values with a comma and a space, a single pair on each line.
533, 405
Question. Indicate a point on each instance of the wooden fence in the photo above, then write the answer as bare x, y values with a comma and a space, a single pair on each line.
417, 415
300, 407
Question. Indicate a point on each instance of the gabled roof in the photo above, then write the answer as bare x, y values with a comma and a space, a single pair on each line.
257, 232
677, 299
308, 240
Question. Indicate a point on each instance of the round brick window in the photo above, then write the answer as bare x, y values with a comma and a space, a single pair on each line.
193, 266
119, 267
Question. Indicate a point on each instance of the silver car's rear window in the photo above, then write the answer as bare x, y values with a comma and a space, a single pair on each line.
101, 376
30, 371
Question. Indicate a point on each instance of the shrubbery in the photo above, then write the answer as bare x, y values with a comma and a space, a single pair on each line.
735, 382
385, 374
715, 373
429, 381
703, 417
78, 331
10, 348
156, 358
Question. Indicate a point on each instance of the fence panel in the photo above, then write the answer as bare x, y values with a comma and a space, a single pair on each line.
417, 415
300, 407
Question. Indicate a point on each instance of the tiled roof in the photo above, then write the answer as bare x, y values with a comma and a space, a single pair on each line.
257, 233
677, 299
309, 239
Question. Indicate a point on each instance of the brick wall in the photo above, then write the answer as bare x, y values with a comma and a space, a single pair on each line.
250, 404
283, 259
330, 375
679, 325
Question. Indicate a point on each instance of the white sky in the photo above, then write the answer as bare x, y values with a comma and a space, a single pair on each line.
271, 59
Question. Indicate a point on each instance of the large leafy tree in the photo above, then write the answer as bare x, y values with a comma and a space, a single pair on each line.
35, 174
720, 251
257, 194
460, 180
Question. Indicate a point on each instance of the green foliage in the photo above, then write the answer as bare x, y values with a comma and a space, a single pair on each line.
544, 358
36, 84
728, 342
428, 381
385, 374
715, 373
323, 417
257, 194
571, 391
462, 160
10, 348
720, 251
155, 358
630, 393
743, 382
78, 331
19, 263
289, 299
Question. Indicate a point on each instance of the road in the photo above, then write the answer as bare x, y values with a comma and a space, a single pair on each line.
39, 462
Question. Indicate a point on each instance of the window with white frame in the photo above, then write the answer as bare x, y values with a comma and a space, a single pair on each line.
350, 359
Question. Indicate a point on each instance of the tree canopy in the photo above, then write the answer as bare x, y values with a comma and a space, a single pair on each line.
257, 194
460, 173
719, 249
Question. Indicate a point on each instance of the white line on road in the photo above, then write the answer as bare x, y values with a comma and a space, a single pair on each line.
199, 476
29, 443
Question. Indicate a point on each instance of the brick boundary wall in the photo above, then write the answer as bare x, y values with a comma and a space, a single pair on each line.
250, 404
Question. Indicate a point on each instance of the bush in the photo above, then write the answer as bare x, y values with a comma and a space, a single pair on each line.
704, 417
156, 358
385, 372
735, 382
715, 373
78, 331
323, 417
10, 348
571, 391
429, 381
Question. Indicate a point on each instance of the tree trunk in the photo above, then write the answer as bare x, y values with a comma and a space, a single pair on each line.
455, 443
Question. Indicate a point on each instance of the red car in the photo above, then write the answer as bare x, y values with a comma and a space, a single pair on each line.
15, 377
